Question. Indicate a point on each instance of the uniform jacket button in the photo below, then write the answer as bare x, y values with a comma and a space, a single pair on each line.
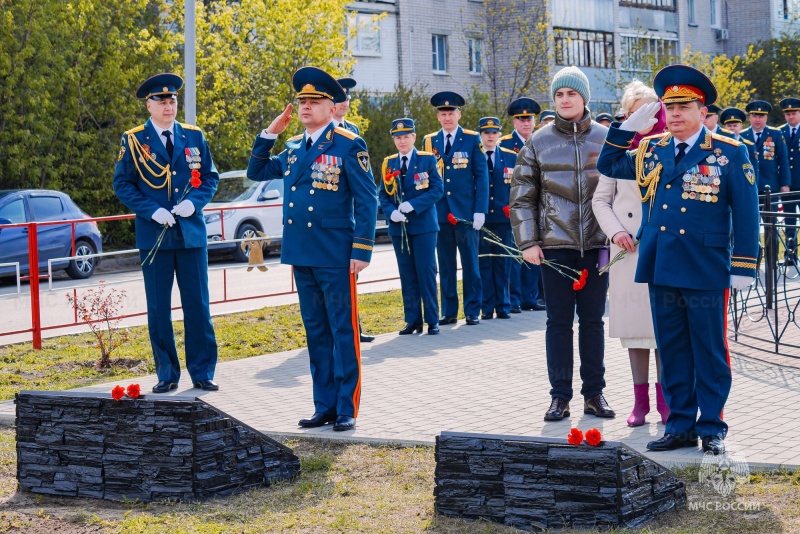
669, 186
683, 231
663, 228
293, 188
309, 225
176, 189
664, 206
291, 204
448, 192
311, 192
683, 210
311, 208
290, 221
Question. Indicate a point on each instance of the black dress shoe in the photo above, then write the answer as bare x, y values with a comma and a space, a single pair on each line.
516, 309
713, 444
670, 442
433, 329
367, 339
503, 315
411, 328
318, 419
473, 319
538, 307
528, 307
598, 407
487, 316
448, 320
344, 422
206, 385
163, 386
558, 410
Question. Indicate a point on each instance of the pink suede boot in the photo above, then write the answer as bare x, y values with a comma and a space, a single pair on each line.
661, 404
641, 404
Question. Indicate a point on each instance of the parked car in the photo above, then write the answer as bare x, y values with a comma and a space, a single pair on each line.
39, 205
381, 225
260, 208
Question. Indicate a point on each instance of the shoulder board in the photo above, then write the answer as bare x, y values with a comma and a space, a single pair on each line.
722, 138
295, 138
423, 153
346, 133
390, 157
725, 130
430, 135
747, 142
653, 137
507, 151
470, 132
506, 137
773, 128
135, 130
190, 127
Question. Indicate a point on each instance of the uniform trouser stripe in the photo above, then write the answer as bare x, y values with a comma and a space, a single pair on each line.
725, 337
356, 340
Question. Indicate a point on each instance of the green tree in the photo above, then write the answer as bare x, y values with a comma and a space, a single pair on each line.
772, 71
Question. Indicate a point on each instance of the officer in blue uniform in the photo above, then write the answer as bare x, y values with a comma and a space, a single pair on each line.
462, 166
494, 264
791, 201
329, 213
770, 148
733, 119
605, 119
697, 187
410, 187
342, 108
524, 285
165, 175
712, 120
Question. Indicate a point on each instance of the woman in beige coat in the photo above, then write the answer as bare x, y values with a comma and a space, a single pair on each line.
618, 208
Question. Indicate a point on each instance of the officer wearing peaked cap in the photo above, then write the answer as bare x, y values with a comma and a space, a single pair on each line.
342, 108
524, 280
410, 188
712, 121
546, 117
697, 187
462, 166
605, 119
329, 211
770, 148
733, 119
791, 201
165, 175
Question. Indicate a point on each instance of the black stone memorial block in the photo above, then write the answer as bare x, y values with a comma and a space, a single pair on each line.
546, 483
167, 448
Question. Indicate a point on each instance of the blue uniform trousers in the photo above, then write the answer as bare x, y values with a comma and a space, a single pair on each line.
495, 270
690, 327
562, 303
791, 204
190, 267
464, 238
524, 284
330, 316
416, 260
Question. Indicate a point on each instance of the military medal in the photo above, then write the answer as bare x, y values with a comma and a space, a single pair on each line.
718, 152
711, 159
145, 153
722, 161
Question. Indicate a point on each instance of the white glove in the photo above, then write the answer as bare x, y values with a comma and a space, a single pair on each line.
162, 216
477, 220
396, 216
406, 207
642, 119
740, 282
184, 209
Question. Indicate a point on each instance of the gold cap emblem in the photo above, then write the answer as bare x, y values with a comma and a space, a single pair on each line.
308, 87
446, 103
400, 125
165, 89
490, 123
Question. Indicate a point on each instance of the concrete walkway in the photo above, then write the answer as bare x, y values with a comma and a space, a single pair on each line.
489, 378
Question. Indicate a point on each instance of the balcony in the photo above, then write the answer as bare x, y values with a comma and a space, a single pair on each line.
661, 5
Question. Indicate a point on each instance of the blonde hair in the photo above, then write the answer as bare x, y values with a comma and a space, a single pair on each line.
634, 91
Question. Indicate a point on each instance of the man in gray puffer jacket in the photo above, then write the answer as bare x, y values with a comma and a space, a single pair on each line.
551, 214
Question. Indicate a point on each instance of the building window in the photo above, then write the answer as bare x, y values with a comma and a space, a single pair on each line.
366, 35
714, 8
667, 5
690, 11
439, 48
475, 56
642, 54
584, 48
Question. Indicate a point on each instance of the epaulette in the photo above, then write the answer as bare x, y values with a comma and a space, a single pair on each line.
295, 138
728, 140
190, 127
773, 128
345, 132
135, 130
507, 150
430, 135
506, 137
392, 156
661, 137
725, 130
423, 153
470, 132
746, 141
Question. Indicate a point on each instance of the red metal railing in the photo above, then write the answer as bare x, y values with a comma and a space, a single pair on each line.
34, 275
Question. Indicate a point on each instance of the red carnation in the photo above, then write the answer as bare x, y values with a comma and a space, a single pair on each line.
195, 181
593, 437
577, 285
134, 391
584, 276
452, 219
507, 211
118, 392
575, 436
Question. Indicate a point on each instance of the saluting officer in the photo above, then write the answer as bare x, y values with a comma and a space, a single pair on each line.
770, 148
496, 269
733, 119
462, 166
341, 109
791, 111
329, 213
697, 187
410, 188
524, 284
165, 175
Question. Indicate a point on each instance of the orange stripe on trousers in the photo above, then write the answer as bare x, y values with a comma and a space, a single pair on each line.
725, 337
356, 340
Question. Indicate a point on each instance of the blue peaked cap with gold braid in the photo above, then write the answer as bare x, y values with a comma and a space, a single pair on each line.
311, 82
